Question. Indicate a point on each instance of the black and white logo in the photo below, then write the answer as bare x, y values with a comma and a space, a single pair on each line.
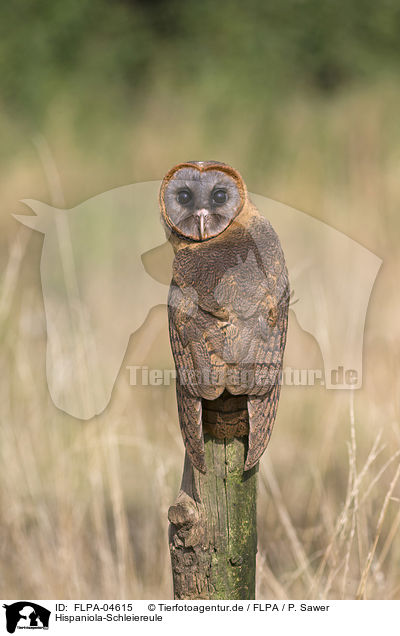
26, 615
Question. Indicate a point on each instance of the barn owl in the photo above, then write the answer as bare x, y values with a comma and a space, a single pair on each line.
227, 308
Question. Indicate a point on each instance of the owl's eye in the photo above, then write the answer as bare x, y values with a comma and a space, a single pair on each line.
219, 196
184, 196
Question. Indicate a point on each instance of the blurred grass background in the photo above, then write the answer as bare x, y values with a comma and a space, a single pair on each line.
302, 97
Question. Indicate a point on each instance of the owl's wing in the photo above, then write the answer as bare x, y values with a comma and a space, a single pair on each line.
262, 412
190, 420
189, 404
262, 407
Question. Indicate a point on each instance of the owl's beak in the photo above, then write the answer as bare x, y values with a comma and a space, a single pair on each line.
201, 215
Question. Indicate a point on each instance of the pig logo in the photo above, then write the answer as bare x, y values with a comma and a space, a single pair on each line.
332, 277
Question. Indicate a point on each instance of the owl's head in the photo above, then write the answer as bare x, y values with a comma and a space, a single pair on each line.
199, 199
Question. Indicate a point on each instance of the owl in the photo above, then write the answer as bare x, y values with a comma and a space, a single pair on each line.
227, 308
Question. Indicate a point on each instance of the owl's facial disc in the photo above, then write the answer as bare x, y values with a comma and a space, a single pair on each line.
201, 204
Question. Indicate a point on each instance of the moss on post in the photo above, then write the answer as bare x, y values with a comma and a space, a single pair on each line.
213, 526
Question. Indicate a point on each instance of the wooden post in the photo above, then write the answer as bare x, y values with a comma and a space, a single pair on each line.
213, 525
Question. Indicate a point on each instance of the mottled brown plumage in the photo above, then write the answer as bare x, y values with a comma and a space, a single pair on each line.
228, 308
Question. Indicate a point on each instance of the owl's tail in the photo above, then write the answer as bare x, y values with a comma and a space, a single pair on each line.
226, 417
240, 415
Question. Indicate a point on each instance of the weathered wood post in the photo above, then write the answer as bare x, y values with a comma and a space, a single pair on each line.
213, 525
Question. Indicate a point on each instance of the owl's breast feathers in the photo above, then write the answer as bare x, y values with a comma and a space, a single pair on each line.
228, 308
236, 272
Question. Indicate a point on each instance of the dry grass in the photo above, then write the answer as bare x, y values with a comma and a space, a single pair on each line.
84, 505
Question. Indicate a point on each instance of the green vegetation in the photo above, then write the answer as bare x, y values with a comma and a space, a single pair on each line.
301, 96
101, 50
